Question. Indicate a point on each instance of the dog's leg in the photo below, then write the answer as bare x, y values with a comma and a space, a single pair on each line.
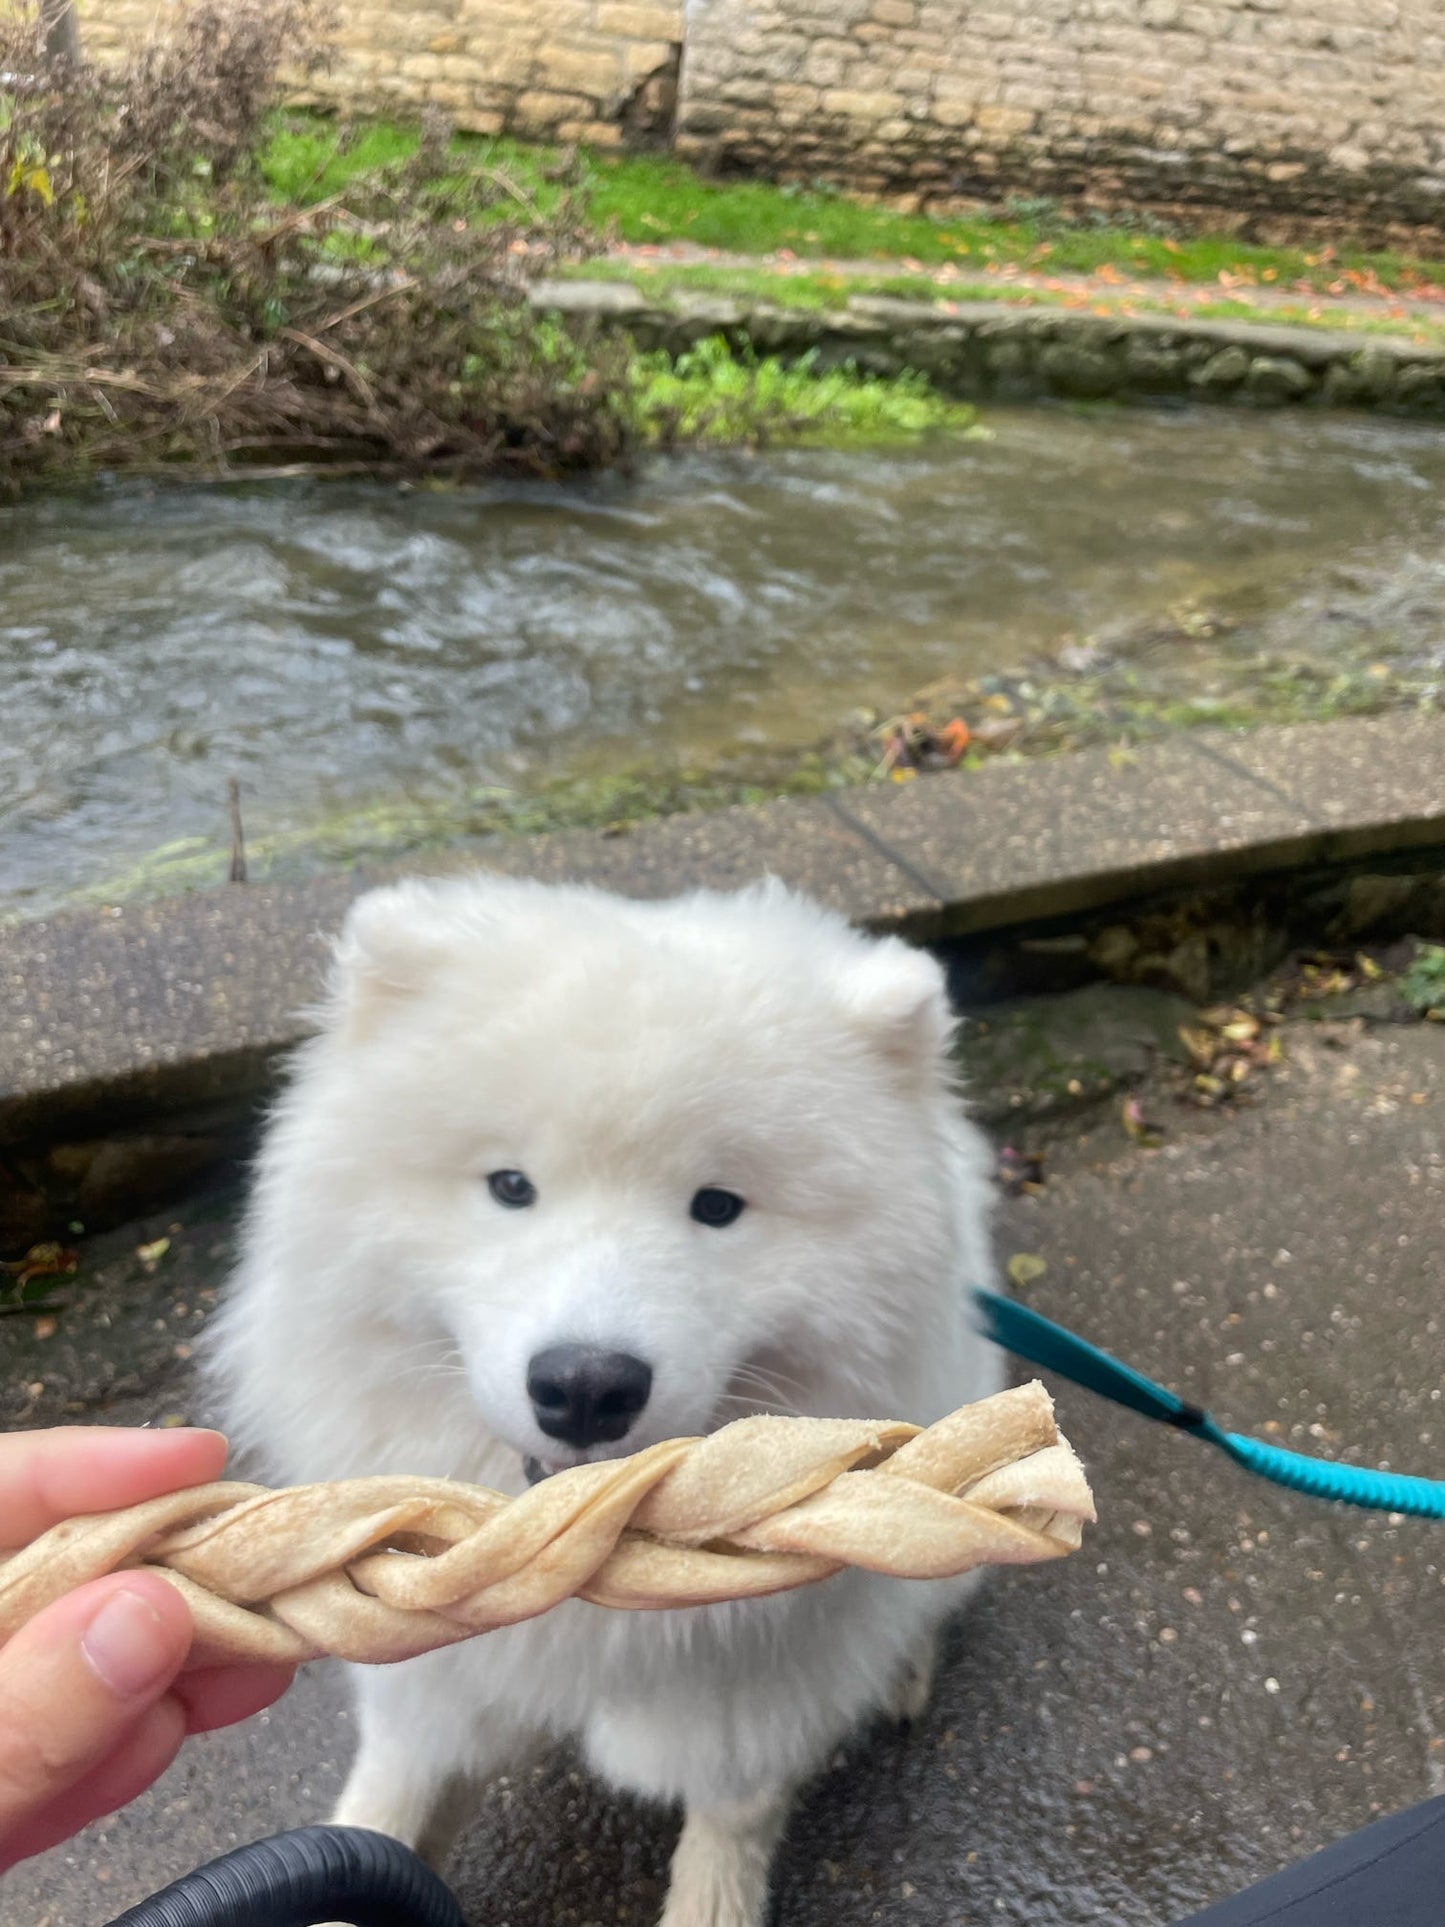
721, 1867
418, 1769
913, 1687
400, 1792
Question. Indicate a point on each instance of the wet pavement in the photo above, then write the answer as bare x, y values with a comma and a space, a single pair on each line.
1226, 1678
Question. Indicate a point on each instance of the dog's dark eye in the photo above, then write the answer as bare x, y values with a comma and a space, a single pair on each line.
716, 1208
512, 1189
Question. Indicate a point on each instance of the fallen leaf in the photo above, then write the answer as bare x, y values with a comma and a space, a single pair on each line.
44, 1261
1020, 1173
1024, 1267
1138, 1126
953, 739
1199, 1043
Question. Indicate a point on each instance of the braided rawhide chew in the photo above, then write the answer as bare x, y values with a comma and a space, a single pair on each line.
384, 1568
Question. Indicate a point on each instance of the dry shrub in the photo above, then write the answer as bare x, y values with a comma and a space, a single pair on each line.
88, 154
156, 308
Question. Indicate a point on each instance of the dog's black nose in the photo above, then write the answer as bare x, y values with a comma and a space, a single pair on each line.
587, 1397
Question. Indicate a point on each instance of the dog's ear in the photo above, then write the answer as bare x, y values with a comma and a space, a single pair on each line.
900, 996
391, 945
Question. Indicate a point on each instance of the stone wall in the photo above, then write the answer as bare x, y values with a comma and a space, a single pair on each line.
597, 70
1002, 351
1284, 108
1242, 112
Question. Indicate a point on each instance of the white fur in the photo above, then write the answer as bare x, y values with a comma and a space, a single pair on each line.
622, 1055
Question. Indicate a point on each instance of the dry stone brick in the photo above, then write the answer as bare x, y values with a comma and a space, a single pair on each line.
1259, 108
639, 23
861, 106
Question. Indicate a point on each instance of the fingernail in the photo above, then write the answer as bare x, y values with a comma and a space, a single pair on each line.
127, 1645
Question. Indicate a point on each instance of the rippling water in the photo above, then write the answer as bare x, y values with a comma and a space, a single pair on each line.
371, 658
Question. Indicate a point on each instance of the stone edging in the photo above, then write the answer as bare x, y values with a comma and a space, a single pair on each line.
115, 1018
994, 350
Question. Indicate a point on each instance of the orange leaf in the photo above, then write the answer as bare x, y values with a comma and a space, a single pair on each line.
953, 738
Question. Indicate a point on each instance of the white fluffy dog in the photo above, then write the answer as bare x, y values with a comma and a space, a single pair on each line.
562, 1175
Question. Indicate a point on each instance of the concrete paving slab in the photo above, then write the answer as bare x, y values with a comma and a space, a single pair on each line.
1367, 785
1228, 1676
124, 1010
111, 1005
1054, 839
805, 842
119, 1013
154, 1014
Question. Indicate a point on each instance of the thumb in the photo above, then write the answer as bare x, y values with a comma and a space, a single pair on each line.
76, 1680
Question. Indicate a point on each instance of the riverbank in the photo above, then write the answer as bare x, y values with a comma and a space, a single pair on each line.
1027, 350
287, 295
709, 629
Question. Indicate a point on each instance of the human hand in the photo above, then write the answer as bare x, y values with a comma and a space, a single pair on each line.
93, 1704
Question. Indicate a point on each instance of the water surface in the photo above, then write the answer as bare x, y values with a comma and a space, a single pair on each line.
369, 661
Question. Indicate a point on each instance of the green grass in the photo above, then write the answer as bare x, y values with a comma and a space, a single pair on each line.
308, 160
648, 198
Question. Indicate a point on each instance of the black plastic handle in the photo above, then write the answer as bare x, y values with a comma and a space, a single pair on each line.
302, 1878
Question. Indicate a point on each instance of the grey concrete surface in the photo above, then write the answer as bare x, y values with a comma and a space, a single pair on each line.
117, 1016
1226, 1678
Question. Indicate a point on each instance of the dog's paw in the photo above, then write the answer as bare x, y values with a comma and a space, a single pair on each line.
697, 1905
399, 1818
720, 1869
913, 1688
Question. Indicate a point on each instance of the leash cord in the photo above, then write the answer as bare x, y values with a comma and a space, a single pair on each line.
1029, 1335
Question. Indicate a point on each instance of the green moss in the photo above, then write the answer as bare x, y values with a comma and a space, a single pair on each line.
390, 829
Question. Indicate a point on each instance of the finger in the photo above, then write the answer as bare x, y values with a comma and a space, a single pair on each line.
76, 1681
220, 1695
140, 1759
49, 1476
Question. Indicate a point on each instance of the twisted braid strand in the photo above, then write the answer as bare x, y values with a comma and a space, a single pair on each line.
380, 1569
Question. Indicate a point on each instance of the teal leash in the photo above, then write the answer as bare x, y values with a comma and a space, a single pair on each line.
1029, 1335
